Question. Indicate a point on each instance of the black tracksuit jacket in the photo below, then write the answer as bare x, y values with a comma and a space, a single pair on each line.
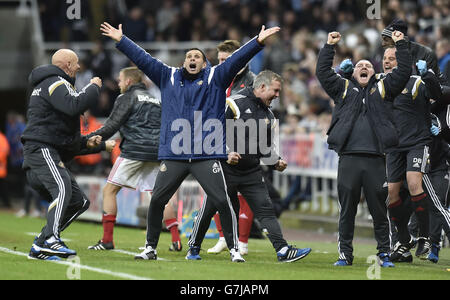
137, 115
54, 109
352, 101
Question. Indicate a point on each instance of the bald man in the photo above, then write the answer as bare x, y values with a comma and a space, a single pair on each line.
361, 130
51, 138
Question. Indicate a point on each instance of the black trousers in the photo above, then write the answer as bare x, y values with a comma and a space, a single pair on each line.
209, 175
49, 177
366, 172
255, 192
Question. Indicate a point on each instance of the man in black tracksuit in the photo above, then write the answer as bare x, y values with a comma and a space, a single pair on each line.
409, 159
360, 130
51, 138
242, 171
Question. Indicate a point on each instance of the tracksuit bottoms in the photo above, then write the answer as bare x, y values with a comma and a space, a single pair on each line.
366, 172
255, 192
210, 176
47, 175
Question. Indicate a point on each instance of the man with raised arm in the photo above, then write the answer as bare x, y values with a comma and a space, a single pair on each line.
360, 131
192, 139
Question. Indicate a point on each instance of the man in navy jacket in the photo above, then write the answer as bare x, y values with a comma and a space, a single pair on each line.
193, 137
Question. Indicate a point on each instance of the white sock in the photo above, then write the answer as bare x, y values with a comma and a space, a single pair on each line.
283, 250
52, 239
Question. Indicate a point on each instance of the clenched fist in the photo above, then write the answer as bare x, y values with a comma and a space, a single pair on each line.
397, 36
333, 38
96, 81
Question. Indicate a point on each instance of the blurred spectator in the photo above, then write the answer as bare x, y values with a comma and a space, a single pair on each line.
443, 55
4, 152
165, 17
134, 25
84, 76
100, 61
15, 125
91, 163
304, 26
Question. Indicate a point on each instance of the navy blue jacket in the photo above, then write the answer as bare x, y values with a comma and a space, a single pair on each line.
193, 111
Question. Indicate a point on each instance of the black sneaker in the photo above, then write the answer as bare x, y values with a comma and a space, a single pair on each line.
102, 246
148, 254
401, 253
176, 246
423, 248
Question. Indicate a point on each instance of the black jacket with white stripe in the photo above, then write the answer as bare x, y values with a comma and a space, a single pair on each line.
252, 145
353, 102
54, 109
411, 111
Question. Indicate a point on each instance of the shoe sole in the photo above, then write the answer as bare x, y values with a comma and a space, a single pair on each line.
35, 258
51, 252
297, 258
142, 258
193, 258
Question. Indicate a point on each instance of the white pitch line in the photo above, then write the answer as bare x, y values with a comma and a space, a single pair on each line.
83, 267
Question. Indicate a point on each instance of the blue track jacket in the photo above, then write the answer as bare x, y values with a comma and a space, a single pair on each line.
193, 112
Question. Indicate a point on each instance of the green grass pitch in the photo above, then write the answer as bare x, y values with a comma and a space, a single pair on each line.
17, 234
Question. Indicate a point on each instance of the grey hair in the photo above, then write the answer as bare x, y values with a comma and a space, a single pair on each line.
266, 77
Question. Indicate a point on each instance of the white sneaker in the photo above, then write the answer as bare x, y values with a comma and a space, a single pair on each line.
243, 248
219, 247
148, 254
236, 256
21, 213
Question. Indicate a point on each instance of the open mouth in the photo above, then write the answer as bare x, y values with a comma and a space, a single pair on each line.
364, 74
192, 67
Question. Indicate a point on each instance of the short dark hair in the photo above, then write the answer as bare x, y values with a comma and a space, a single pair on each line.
228, 46
198, 49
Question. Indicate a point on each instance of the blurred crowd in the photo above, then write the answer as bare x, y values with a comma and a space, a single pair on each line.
303, 107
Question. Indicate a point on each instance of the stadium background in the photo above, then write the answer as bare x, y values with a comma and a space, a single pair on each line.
31, 31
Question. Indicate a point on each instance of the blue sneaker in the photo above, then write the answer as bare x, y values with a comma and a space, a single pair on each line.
193, 253
292, 254
36, 253
57, 248
342, 263
433, 256
385, 260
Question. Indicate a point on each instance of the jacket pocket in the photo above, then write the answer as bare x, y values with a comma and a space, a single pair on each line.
333, 123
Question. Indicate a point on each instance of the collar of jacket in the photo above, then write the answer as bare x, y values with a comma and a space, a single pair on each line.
136, 86
371, 81
191, 77
251, 95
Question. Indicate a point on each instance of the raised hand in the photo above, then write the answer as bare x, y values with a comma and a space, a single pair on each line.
97, 81
114, 33
397, 36
333, 38
265, 33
